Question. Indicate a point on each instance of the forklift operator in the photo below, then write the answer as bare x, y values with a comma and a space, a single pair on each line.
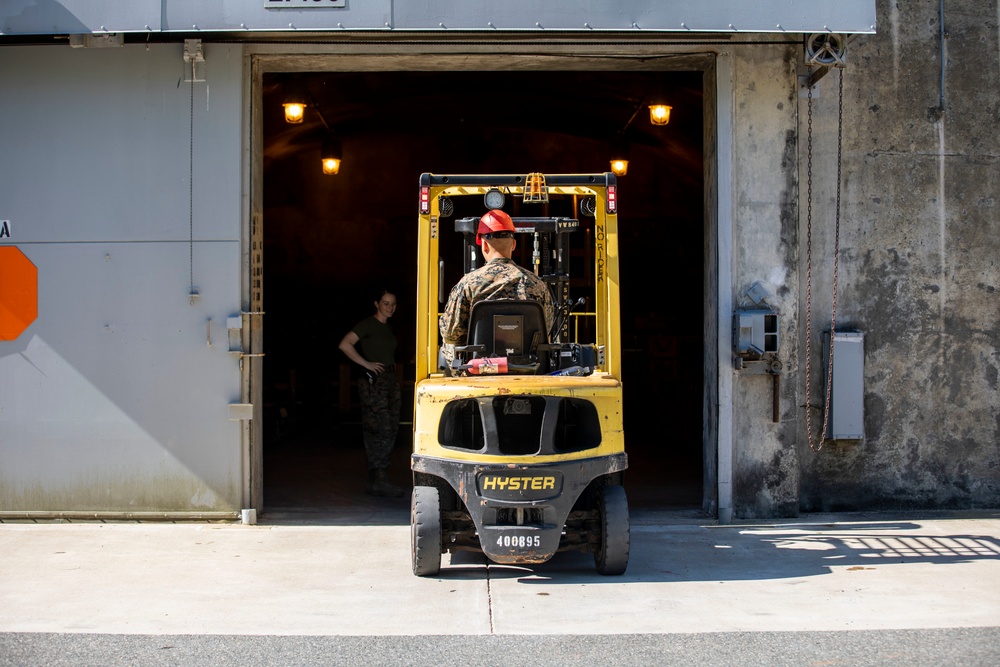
499, 278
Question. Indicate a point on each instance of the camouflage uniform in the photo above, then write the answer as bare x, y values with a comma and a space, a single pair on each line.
379, 393
501, 278
380, 405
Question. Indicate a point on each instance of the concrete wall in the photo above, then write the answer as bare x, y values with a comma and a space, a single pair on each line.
115, 398
918, 261
916, 270
765, 251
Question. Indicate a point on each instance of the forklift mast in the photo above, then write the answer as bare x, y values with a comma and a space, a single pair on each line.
549, 237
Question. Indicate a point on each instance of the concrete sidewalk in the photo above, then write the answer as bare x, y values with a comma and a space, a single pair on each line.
308, 575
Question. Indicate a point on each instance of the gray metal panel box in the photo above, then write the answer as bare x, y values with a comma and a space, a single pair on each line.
847, 401
755, 331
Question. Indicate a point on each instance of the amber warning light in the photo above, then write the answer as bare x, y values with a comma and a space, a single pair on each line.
425, 200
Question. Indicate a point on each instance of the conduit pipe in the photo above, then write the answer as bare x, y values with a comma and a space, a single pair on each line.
944, 36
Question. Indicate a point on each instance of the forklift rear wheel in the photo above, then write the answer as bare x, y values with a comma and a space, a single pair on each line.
425, 531
611, 556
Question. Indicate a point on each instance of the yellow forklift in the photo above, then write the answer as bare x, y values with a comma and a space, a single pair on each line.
518, 448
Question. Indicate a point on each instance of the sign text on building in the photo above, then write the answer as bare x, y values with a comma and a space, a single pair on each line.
302, 4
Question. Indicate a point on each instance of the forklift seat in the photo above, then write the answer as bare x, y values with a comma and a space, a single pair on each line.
511, 328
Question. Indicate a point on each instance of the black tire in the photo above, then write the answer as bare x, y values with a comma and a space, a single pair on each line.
611, 556
425, 531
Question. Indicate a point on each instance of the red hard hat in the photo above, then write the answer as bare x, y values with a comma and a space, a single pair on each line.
494, 221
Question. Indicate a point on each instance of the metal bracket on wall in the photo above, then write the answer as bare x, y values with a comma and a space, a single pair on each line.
755, 342
769, 364
194, 57
240, 412
101, 40
234, 325
807, 81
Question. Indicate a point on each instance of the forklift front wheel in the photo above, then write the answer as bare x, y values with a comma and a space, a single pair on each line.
611, 556
425, 531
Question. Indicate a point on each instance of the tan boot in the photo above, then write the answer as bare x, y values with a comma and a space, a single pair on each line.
379, 485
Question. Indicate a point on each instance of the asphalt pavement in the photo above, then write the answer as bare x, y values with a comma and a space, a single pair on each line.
312, 588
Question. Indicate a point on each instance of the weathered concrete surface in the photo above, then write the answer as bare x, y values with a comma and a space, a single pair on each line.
686, 575
766, 250
918, 270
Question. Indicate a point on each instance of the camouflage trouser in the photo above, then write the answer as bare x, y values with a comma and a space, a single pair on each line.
379, 416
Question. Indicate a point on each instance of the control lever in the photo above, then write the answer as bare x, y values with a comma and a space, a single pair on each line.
564, 310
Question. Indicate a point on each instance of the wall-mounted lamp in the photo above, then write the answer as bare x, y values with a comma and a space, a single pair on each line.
659, 111
296, 101
659, 114
331, 153
619, 156
295, 108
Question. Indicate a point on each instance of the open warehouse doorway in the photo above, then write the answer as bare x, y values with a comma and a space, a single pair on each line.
330, 240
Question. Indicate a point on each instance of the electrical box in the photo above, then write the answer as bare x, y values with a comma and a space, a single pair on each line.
755, 342
755, 332
847, 393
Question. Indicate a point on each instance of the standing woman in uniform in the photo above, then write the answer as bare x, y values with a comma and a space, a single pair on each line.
371, 344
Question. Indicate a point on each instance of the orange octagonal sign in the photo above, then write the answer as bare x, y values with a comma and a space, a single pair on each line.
18, 292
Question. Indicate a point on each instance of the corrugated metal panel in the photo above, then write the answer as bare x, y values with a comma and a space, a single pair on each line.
113, 399
28, 17
671, 15
116, 397
127, 152
683, 16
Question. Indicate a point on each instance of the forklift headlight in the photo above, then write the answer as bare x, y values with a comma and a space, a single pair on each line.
493, 199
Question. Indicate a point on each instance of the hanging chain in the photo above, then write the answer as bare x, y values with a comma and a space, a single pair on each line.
836, 248
809, 214
836, 262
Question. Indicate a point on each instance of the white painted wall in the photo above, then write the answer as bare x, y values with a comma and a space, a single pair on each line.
115, 398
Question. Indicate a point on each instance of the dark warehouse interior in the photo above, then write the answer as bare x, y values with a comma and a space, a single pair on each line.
331, 240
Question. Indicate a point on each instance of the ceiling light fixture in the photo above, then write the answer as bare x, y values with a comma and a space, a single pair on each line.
619, 156
331, 151
295, 109
331, 154
659, 114
659, 110
295, 102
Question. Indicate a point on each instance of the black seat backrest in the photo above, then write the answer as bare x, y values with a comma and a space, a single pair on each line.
508, 327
